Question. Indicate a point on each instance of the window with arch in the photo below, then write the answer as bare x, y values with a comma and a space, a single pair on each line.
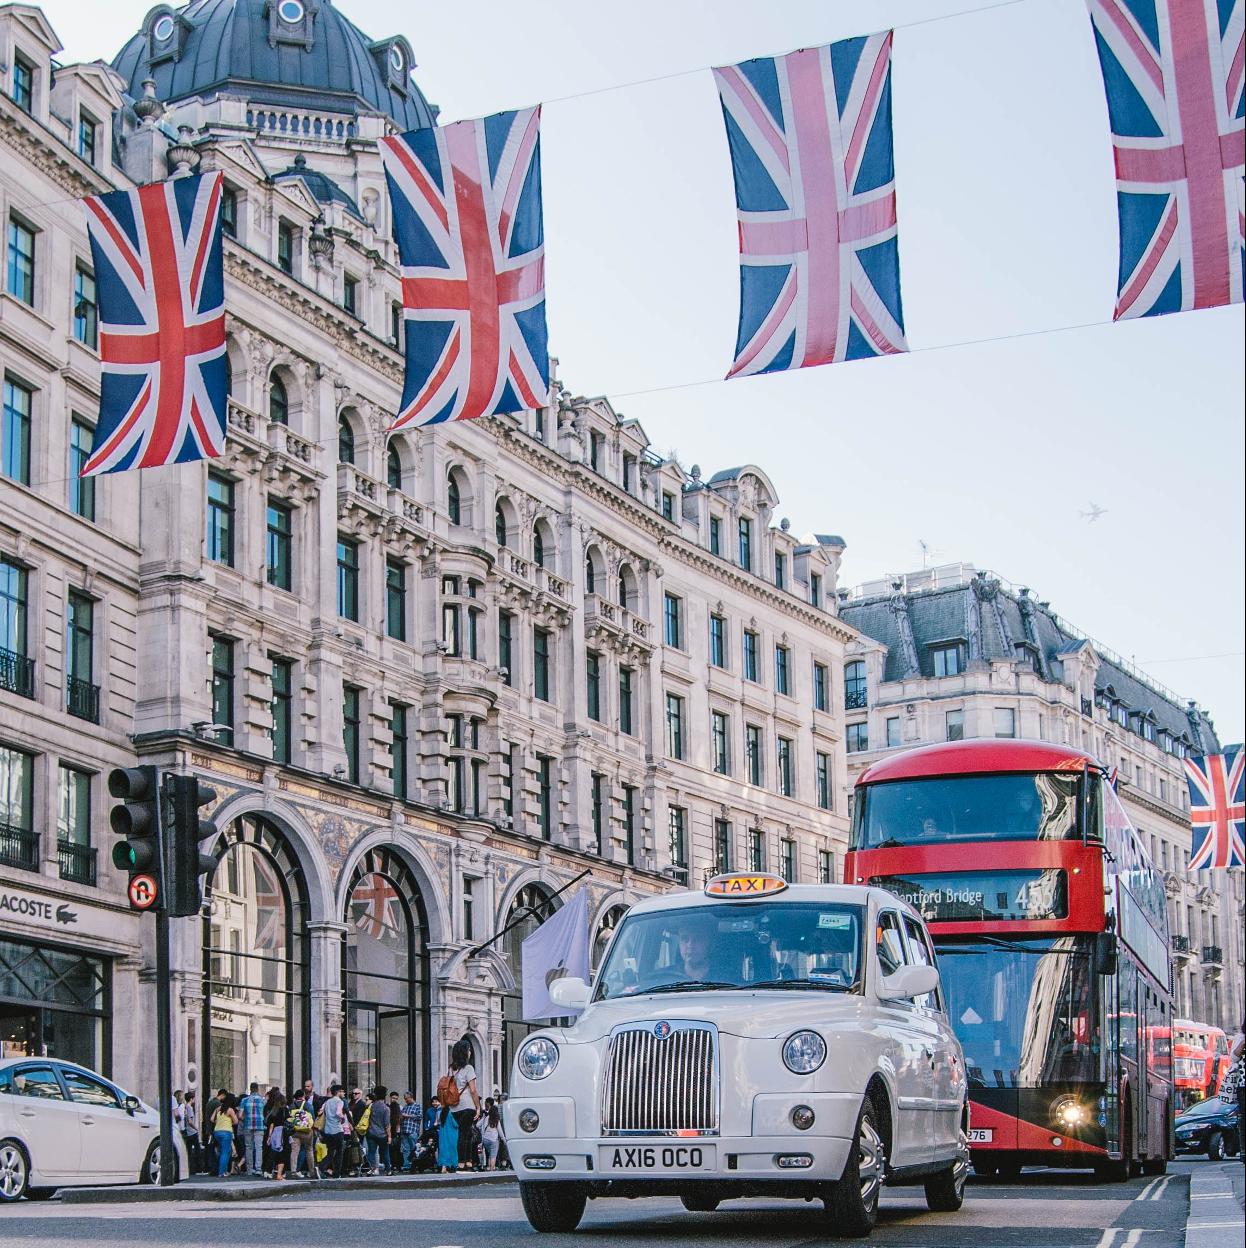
454, 499
500, 527
393, 467
278, 401
594, 572
345, 440
628, 597
531, 906
542, 545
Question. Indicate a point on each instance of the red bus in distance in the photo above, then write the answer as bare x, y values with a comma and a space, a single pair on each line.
1051, 931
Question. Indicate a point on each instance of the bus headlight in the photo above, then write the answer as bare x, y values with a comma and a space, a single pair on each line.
804, 1052
537, 1058
1069, 1112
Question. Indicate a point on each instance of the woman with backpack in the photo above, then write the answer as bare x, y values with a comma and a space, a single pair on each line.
301, 1122
448, 1143
453, 1089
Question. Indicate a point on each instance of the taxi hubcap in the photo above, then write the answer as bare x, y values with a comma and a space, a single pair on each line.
872, 1161
153, 1165
961, 1171
12, 1170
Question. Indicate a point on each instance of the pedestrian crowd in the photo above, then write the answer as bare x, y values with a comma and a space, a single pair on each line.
336, 1133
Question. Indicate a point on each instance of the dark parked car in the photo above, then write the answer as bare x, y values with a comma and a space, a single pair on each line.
1209, 1127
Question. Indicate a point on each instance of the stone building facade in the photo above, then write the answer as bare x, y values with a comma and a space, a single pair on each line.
953, 652
434, 677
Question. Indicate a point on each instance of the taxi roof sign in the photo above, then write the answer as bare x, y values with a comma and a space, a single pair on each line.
749, 884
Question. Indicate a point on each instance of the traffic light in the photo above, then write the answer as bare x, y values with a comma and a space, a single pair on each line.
185, 832
137, 821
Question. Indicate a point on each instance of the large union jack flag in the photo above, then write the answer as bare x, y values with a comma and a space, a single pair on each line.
1217, 809
810, 139
161, 290
466, 202
1172, 70
375, 907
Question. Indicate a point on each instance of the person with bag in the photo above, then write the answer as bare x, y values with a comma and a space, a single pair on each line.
448, 1142
224, 1120
302, 1129
277, 1139
190, 1133
376, 1138
333, 1121
454, 1088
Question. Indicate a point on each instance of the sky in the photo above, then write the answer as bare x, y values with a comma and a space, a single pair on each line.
987, 451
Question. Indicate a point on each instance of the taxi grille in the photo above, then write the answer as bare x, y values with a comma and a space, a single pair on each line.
661, 1086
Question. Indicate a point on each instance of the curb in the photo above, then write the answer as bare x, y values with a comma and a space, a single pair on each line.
136, 1194
1215, 1206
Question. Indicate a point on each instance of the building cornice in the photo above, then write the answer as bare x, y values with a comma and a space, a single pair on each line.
40, 148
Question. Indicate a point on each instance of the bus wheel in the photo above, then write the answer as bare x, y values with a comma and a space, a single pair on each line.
1215, 1146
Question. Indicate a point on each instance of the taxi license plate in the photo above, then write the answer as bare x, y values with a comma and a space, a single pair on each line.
981, 1135
653, 1158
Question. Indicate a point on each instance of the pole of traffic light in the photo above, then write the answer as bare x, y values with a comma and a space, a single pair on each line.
164, 1050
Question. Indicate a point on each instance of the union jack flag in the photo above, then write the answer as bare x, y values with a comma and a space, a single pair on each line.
810, 139
374, 902
270, 905
1217, 809
466, 202
1172, 70
161, 290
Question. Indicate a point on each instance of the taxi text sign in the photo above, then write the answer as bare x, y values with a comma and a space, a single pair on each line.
752, 885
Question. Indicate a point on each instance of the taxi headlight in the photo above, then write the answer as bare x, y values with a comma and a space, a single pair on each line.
804, 1052
537, 1058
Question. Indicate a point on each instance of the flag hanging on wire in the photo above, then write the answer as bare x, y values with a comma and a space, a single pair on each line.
1217, 809
558, 948
161, 290
810, 139
1172, 70
466, 205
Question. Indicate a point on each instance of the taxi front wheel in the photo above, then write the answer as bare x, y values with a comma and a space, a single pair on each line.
553, 1206
852, 1203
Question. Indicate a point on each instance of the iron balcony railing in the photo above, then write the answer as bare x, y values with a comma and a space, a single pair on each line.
1180, 944
855, 699
661, 1079
77, 862
82, 699
19, 847
17, 673
1213, 955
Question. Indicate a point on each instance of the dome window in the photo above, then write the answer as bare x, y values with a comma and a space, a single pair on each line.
396, 59
163, 30
166, 34
393, 58
291, 21
290, 12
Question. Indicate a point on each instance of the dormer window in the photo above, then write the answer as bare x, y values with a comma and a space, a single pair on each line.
23, 84
291, 21
165, 36
88, 129
947, 659
394, 59
163, 30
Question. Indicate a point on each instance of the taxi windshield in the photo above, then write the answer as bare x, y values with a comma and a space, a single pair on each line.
814, 945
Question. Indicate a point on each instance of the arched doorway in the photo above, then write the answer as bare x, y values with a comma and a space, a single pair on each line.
385, 977
256, 1020
532, 906
605, 934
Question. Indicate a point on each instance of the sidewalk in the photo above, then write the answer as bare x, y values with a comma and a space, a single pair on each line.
201, 1187
1216, 1201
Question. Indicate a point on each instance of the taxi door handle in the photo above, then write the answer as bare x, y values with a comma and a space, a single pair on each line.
28, 1113
88, 1122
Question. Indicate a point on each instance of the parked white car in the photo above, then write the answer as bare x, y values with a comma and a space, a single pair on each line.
64, 1126
754, 1039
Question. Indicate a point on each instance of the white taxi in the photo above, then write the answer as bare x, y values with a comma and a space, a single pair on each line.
754, 1039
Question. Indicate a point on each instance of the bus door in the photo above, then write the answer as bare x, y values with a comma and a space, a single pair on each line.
1133, 1054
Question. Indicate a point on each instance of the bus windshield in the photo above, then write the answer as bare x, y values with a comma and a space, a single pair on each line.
1014, 806
1024, 1010
796, 945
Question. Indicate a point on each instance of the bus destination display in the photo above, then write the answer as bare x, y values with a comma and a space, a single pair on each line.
966, 896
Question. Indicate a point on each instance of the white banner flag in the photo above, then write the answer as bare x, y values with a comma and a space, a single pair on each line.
558, 948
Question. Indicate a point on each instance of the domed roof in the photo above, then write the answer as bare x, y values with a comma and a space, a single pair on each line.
322, 187
290, 53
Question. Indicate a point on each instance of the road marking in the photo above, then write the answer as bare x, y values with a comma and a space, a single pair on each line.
1158, 1194
1207, 1226
1108, 1238
1146, 1191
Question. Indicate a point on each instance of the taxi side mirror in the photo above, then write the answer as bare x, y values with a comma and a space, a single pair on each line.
132, 1104
571, 994
908, 982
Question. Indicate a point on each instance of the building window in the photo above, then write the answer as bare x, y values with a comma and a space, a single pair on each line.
396, 599
668, 505
826, 866
280, 545
454, 500
506, 627
893, 731
746, 544
88, 128
677, 826
17, 672
784, 752
469, 925
593, 676
782, 670
599, 812
278, 401
15, 447
540, 663
73, 826
538, 548
398, 748
510, 770
229, 212
545, 795
722, 846
718, 743
751, 646
626, 716
220, 519
855, 689
822, 762
821, 687
350, 294
946, 660
752, 753
857, 737
86, 308
590, 576
780, 571
954, 725
81, 489
1005, 721
285, 247
281, 733
345, 441
716, 536
815, 589
596, 449
21, 261
347, 578
223, 685
499, 524
395, 323
718, 641
23, 84
756, 849
629, 823
787, 860
674, 726
671, 615
82, 695
393, 467
19, 842
629, 471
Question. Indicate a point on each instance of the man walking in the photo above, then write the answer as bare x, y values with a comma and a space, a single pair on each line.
377, 1139
251, 1112
334, 1111
410, 1121
189, 1125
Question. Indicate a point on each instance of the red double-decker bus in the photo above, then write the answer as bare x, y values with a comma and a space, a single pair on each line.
1052, 935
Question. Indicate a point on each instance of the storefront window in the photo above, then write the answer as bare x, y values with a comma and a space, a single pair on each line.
531, 907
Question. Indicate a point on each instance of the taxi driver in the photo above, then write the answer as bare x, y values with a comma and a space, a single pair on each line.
694, 940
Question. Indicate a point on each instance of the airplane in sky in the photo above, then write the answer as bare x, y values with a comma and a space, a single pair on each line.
1093, 514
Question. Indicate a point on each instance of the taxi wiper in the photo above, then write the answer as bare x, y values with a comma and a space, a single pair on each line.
692, 985
798, 984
